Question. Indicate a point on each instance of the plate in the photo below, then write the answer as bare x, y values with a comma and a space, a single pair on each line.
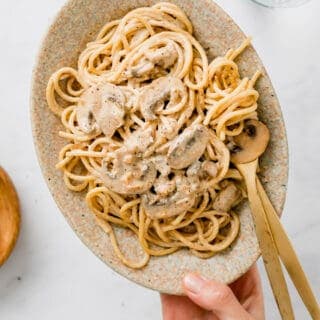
76, 24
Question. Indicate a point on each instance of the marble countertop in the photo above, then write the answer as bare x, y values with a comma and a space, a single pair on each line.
51, 274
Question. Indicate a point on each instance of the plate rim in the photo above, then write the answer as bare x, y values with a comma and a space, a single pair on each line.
212, 6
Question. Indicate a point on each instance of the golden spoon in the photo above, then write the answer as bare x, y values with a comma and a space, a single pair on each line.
9, 216
281, 239
288, 256
251, 143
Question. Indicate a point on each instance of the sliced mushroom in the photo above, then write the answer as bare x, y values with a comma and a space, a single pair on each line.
163, 186
101, 106
162, 165
85, 117
154, 61
251, 143
130, 97
139, 140
136, 178
109, 113
211, 168
164, 57
153, 97
168, 127
227, 198
180, 201
188, 147
194, 168
203, 169
141, 69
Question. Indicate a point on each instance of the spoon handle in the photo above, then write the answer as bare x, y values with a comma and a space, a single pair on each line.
266, 243
288, 255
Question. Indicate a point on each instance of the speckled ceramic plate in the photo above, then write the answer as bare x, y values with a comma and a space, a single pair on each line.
76, 24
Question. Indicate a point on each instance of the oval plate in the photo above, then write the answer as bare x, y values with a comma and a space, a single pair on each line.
76, 24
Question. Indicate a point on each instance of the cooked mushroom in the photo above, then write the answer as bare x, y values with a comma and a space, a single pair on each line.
172, 206
161, 164
139, 140
153, 97
85, 118
163, 186
109, 112
227, 198
164, 207
251, 143
211, 168
164, 57
143, 68
202, 169
194, 168
188, 147
168, 127
134, 178
101, 106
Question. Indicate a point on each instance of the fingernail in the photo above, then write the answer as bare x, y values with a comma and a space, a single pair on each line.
194, 283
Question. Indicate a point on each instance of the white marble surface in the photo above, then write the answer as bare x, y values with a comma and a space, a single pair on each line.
51, 275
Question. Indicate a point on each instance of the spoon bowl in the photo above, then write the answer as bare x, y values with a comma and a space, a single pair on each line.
251, 143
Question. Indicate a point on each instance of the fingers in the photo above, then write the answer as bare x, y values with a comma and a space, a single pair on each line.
171, 307
255, 302
180, 308
214, 296
248, 291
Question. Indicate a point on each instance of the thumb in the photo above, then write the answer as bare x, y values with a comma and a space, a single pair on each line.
214, 296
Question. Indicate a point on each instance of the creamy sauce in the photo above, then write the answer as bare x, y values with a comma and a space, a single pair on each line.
101, 107
163, 57
168, 180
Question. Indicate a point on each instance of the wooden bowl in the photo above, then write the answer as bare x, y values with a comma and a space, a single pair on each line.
77, 23
9, 216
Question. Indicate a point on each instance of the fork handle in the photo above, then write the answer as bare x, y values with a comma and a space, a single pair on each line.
288, 256
267, 246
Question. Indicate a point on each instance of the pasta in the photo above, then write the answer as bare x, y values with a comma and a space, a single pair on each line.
149, 124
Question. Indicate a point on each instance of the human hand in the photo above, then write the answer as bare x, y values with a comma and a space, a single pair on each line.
212, 300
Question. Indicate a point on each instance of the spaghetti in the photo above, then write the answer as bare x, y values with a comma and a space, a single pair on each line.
148, 121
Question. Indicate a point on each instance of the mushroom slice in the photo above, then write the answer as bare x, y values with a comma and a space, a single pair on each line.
154, 61
84, 114
129, 179
86, 120
101, 106
172, 206
153, 97
251, 143
139, 140
141, 69
164, 57
188, 147
211, 168
180, 201
194, 169
163, 186
162, 165
227, 198
168, 127
109, 113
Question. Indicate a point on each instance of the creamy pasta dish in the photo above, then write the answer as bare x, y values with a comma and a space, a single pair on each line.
151, 127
